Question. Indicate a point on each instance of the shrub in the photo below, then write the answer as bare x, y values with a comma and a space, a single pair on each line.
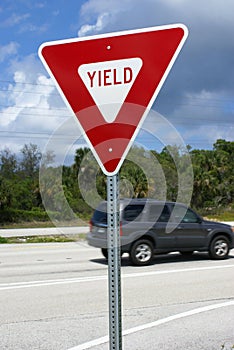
15, 215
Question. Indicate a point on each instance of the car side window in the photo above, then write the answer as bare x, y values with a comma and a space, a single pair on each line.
132, 211
158, 213
181, 214
190, 217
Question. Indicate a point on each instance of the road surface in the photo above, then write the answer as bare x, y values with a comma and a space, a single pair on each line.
54, 297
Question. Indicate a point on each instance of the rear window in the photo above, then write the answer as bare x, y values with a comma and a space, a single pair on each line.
130, 212
100, 214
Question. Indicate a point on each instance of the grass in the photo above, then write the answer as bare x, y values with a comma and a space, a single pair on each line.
3, 240
30, 224
43, 239
44, 224
221, 215
227, 216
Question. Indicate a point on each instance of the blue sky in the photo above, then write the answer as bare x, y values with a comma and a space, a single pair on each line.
197, 97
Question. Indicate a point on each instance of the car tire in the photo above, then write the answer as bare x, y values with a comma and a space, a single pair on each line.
104, 253
219, 248
141, 253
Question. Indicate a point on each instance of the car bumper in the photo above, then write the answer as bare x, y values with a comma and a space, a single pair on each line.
99, 242
95, 241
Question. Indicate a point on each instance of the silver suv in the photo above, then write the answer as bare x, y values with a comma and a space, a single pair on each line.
148, 227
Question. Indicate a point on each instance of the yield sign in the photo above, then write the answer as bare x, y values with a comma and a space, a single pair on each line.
110, 82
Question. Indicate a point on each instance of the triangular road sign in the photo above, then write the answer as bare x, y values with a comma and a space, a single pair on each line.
110, 82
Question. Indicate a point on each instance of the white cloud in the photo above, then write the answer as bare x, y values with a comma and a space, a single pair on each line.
220, 10
94, 28
135, 13
205, 107
27, 68
26, 99
33, 109
40, 5
103, 13
93, 7
15, 19
8, 50
204, 117
29, 27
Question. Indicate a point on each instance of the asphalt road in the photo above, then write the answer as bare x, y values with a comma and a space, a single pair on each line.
54, 297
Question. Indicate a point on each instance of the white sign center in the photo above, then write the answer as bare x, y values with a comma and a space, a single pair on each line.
109, 83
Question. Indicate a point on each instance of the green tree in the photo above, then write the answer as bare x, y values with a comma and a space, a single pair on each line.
31, 157
8, 167
224, 151
170, 171
8, 163
133, 180
6, 193
213, 175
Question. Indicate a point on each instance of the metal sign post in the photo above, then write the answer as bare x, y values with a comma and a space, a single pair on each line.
114, 263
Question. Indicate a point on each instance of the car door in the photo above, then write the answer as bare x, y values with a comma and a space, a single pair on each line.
158, 216
132, 226
189, 231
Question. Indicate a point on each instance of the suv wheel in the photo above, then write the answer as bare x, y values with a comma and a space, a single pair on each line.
104, 252
141, 253
219, 248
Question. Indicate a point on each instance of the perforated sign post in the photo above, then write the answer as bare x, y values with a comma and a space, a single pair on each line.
110, 82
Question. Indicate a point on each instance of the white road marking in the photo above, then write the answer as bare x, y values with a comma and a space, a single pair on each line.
41, 283
199, 310
19, 285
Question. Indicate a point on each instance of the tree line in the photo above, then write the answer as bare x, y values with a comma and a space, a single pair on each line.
32, 188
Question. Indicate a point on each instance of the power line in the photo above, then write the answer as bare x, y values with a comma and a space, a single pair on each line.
38, 115
215, 106
36, 108
31, 92
44, 135
66, 109
51, 134
53, 85
25, 83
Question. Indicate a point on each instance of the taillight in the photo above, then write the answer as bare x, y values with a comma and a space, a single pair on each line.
90, 225
121, 229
